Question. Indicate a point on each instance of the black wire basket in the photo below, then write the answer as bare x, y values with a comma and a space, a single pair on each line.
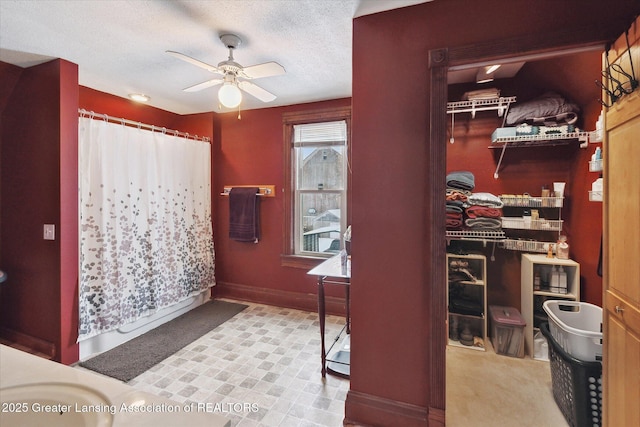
577, 385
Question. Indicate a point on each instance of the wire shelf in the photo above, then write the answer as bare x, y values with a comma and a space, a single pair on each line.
540, 140
520, 223
474, 105
527, 201
528, 245
479, 235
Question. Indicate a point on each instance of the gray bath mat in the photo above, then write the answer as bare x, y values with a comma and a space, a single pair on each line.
132, 358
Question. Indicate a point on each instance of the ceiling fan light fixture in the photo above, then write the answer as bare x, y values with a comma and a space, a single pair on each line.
229, 95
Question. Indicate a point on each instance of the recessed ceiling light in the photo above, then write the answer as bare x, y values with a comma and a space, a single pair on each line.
492, 68
139, 97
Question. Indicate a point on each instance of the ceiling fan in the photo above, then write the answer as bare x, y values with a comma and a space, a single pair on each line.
234, 75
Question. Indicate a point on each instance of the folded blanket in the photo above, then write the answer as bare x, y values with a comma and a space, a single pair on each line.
483, 212
463, 180
453, 194
548, 108
460, 191
454, 220
485, 199
454, 224
489, 93
568, 118
483, 223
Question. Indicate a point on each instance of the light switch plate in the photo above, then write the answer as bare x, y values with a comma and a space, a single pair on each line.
49, 232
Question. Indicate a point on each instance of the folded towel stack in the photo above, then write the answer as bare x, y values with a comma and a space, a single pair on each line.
484, 211
483, 223
461, 180
460, 185
489, 93
455, 194
485, 199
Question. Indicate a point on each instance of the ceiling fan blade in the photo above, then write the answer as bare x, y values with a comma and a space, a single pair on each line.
257, 91
194, 61
267, 69
203, 85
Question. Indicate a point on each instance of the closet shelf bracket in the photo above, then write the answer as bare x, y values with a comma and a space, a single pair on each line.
501, 105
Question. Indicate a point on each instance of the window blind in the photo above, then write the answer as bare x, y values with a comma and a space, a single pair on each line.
325, 133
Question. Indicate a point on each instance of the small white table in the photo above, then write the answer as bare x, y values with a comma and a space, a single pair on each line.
334, 271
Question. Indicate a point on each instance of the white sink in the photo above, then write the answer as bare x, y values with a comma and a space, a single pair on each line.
54, 404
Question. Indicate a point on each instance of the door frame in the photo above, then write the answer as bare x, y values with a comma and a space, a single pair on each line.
526, 47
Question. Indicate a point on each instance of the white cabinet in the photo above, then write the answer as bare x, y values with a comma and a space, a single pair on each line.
467, 300
536, 282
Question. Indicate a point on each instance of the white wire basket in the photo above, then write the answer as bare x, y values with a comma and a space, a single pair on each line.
528, 245
520, 223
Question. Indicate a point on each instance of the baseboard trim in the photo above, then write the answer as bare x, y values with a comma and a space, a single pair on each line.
363, 409
28, 343
278, 298
436, 417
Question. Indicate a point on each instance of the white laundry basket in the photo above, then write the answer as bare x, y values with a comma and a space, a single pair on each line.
576, 327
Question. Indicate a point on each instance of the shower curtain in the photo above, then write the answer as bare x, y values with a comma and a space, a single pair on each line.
146, 238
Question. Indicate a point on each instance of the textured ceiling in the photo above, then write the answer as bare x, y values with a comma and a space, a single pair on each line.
120, 46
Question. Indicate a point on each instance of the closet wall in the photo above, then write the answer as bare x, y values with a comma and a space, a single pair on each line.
528, 169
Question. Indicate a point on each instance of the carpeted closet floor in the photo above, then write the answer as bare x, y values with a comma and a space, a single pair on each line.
487, 389
264, 364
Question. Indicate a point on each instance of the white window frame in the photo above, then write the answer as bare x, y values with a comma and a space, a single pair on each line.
317, 135
292, 254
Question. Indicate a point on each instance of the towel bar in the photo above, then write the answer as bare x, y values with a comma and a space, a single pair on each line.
263, 190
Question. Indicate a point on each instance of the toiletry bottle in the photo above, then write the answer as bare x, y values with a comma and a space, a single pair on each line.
562, 251
550, 250
562, 280
555, 279
536, 280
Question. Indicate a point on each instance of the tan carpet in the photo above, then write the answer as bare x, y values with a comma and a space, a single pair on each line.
487, 389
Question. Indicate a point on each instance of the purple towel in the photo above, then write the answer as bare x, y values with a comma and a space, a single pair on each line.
244, 214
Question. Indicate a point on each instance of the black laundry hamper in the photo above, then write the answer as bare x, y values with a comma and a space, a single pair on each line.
577, 385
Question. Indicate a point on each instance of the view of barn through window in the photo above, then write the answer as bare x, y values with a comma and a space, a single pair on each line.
321, 186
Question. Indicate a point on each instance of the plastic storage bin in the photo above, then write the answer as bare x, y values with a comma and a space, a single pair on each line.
576, 327
507, 331
577, 385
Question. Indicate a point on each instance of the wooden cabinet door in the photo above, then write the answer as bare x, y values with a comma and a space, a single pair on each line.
621, 250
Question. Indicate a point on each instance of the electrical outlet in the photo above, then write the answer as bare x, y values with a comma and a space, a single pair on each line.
49, 232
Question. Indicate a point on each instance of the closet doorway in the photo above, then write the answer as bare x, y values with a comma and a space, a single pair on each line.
443, 62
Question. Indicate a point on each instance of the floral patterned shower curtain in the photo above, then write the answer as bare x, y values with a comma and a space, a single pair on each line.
146, 238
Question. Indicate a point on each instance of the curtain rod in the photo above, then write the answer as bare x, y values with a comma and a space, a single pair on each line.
92, 115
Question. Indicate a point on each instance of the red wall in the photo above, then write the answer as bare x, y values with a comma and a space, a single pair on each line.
527, 169
114, 106
390, 355
39, 185
39, 182
247, 152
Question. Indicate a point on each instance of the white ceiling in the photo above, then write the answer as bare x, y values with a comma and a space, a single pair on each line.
119, 45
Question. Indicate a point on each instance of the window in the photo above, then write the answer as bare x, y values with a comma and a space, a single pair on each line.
316, 156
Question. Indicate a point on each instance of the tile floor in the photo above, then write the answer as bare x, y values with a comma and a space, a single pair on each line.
262, 367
